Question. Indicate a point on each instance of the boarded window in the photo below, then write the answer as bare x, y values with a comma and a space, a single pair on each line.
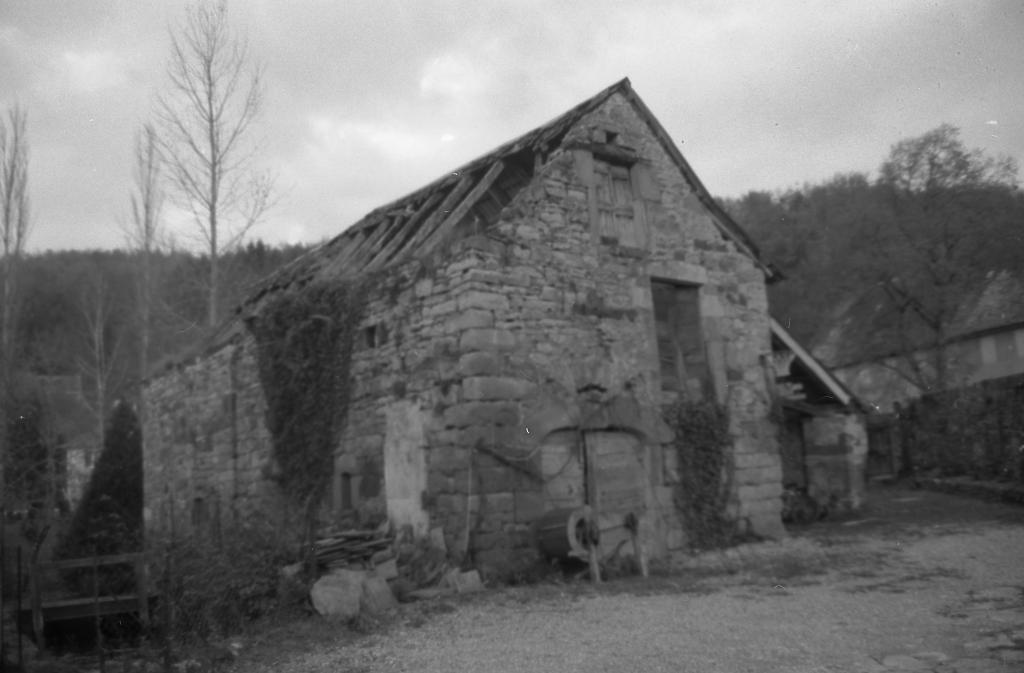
682, 359
614, 199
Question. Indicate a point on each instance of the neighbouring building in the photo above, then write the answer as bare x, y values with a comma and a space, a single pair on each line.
59, 442
534, 311
873, 348
824, 436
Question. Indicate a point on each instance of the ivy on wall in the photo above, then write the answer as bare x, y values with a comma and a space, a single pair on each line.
304, 342
702, 494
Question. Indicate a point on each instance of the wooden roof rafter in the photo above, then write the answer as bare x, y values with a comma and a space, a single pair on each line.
447, 225
451, 199
403, 234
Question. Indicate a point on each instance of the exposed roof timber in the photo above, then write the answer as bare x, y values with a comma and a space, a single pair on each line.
376, 239
371, 242
439, 214
463, 208
402, 235
837, 389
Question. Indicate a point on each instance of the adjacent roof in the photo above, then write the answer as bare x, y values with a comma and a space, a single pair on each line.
870, 327
824, 387
468, 199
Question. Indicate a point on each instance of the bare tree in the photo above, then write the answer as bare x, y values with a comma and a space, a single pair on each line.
14, 229
102, 338
144, 234
206, 116
941, 240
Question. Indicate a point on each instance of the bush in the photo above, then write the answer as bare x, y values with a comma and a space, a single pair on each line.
108, 520
216, 586
974, 431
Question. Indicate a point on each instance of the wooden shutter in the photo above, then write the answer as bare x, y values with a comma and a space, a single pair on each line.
680, 338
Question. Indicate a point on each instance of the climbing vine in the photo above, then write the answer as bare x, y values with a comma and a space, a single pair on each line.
701, 444
304, 342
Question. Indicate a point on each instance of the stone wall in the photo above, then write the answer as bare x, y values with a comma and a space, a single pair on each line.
206, 449
836, 454
486, 363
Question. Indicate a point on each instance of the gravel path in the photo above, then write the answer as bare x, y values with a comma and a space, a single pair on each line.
944, 595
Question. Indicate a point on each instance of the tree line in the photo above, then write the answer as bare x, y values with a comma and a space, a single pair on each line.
917, 238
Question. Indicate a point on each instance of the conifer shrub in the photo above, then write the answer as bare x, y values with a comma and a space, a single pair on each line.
108, 520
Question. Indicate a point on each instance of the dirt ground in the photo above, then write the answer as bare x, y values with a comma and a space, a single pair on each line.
917, 581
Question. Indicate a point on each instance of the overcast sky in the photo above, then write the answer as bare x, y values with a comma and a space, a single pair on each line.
367, 101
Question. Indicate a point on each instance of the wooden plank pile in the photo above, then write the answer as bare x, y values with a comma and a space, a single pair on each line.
353, 548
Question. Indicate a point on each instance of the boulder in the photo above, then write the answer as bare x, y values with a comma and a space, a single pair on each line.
338, 594
387, 570
376, 597
463, 582
401, 587
469, 582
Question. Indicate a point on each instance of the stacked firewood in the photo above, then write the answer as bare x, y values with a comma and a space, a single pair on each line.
352, 548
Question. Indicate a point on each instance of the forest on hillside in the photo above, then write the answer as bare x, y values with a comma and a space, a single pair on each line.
935, 221
78, 310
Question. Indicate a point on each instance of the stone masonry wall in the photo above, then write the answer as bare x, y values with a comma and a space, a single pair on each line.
485, 353
837, 449
206, 458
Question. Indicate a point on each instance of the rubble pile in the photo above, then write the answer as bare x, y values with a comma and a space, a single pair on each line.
367, 570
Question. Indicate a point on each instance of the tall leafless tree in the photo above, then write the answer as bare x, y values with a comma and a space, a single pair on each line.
14, 230
206, 117
102, 337
144, 236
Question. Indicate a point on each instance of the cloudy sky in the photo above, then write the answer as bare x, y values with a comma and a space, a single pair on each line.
367, 101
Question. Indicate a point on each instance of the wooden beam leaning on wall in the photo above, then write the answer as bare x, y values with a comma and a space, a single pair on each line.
460, 211
397, 242
440, 213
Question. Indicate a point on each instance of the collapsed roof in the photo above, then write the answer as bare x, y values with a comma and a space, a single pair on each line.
468, 200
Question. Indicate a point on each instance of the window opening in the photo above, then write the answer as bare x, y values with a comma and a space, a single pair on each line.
682, 359
200, 514
375, 335
345, 486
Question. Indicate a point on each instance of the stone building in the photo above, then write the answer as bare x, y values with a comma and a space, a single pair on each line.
533, 311
824, 436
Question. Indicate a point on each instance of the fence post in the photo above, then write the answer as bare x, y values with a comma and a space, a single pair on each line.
17, 614
38, 625
96, 609
165, 604
3, 573
142, 587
